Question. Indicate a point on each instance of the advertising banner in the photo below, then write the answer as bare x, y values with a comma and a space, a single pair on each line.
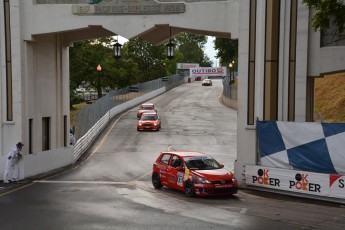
186, 65
207, 71
327, 185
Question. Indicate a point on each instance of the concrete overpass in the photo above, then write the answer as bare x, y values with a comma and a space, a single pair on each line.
279, 54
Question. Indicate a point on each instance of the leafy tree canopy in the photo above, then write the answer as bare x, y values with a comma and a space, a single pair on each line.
141, 61
149, 58
227, 50
191, 47
328, 13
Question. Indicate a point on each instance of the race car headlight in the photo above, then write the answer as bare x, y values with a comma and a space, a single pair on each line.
234, 180
139, 123
203, 181
155, 123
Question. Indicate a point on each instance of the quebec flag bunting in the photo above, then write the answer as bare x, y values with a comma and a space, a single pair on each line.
307, 146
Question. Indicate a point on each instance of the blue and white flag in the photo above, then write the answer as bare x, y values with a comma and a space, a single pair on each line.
308, 146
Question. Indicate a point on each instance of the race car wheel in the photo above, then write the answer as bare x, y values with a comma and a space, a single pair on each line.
156, 181
189, 189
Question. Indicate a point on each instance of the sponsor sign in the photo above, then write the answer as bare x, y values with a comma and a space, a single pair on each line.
207, 71
327, 185
127, 7
187, 65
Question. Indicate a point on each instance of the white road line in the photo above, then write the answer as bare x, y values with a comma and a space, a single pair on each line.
80, 182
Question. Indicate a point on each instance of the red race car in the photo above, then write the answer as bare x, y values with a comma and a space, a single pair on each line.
195, 173
147, 107
149, 121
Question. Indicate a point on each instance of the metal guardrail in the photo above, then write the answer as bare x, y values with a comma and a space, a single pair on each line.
92, 119
85, 141
91, 113
229, 90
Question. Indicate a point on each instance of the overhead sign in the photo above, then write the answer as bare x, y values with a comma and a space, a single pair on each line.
327, 185
116, 7
208, 71
187, 65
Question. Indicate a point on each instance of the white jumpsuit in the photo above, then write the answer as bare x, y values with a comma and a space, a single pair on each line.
12, 165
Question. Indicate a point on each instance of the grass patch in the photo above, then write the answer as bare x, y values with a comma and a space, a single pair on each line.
329, 98
74, 110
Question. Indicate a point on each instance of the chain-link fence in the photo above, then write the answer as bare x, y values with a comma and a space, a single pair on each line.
229, 89
91, 113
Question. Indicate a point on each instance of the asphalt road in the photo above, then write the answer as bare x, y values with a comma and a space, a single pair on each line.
110, 188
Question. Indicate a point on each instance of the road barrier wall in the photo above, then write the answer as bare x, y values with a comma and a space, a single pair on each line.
44, 162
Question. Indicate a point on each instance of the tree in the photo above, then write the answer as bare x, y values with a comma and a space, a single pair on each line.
148, 58
227, 50
328, 13
85, 56
191, 47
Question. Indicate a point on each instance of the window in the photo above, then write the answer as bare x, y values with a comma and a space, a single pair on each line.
9, 92
165, 159
251, 70
30, 136
45, 133
65, 131
176, 161
292, 60
271, 60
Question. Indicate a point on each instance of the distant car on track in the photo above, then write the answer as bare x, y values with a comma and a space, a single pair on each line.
147, 107
149, 121
195, 173
206, 82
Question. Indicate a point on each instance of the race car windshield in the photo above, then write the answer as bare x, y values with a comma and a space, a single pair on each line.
148, 118
202, 163
147, 107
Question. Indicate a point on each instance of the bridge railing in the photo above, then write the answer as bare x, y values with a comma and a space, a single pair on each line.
90, 121
229, 89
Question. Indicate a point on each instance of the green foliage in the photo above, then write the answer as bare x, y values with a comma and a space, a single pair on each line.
148, 58
75, 98
141, 61
227, 50
190, 49
328, 12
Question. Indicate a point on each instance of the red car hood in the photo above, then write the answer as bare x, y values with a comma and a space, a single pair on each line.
215, 174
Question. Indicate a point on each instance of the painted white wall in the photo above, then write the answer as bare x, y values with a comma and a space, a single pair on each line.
11, 131
221, 16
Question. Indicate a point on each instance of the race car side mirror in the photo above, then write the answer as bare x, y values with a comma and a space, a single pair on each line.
221, 166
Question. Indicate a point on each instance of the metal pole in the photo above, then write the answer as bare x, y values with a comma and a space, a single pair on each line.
99, 86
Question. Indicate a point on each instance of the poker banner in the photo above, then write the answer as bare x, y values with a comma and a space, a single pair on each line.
327, 185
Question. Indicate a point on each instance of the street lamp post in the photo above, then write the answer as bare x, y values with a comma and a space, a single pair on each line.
170, 48
117, 50
233, 70
230, 67
99, 88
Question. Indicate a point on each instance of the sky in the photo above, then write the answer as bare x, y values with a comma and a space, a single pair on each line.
209, 50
